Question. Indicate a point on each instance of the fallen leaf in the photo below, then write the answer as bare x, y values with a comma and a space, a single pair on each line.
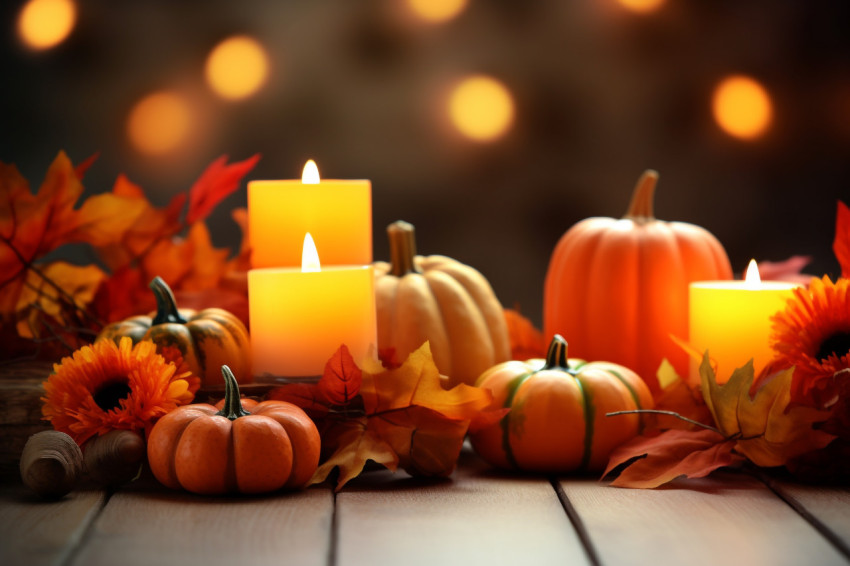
841, 244
767, 430
652, 462
526, 341
341, 380
395, 417
216, 182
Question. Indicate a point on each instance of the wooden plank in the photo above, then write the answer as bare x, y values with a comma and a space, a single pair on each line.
20, 410
34, 532
727, 519
147, 524
476, 517
828, 508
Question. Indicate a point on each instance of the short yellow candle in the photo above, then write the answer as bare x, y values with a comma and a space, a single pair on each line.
731, 319
337, 213
300, 316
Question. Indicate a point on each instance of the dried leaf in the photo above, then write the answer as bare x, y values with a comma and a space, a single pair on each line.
357, 444
398, 416
652, 462
767, 430
526, 341
341, 380
216, 182
841, 244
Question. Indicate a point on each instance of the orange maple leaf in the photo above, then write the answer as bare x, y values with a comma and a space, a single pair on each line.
216, 182
527, 342
841, 244
395, 417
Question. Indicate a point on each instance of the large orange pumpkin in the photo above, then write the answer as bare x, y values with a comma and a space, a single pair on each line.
201, 449
617, 289
439, 299
557, 420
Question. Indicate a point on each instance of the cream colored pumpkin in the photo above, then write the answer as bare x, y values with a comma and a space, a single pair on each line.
438, 299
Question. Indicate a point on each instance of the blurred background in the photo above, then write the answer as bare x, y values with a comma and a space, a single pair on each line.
491, 125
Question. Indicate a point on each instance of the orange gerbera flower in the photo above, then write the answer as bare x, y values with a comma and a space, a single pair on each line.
812, 333
107, 386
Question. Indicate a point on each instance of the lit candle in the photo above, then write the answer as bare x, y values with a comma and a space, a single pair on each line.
300, 316
337, 213
731, 319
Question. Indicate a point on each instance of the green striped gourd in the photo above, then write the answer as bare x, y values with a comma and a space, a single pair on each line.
557, 420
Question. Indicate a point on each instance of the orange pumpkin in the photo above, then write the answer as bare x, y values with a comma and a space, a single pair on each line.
203, 450
439, 299
617, 289
557, 420
206, 339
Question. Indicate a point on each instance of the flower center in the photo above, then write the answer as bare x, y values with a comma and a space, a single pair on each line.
110, 394
838, 344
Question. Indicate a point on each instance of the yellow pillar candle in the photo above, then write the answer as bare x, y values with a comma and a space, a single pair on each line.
337, 213
300, 316
731, 319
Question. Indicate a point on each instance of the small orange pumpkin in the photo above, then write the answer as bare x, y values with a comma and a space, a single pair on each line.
439, 299
203, 450
207, 339
617, 289
557, 420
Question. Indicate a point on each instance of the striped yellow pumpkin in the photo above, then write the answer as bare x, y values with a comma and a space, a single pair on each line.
207, 339
557, 421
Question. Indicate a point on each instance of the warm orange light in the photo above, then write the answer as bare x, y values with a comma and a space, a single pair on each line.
310, 256
310, 174
159, 123
481, 108
752, 276
437, 11
742, 107
46, 23
237, 67
641, 6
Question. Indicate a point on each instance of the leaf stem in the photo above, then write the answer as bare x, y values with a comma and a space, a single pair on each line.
668, 413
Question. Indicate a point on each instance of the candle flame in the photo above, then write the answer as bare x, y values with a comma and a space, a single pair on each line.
309, 255
752, 277
310, 175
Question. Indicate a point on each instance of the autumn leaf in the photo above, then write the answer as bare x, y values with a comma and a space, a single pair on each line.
342, 378
526, 341
356, 444
395, 417
652, 462
841, 244
767, 430
216, 182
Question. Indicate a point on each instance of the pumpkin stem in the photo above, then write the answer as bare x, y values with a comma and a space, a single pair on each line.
166, 305
402, 239
556, 357
232, 403
641, 207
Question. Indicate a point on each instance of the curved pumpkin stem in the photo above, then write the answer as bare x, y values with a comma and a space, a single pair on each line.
232, 403
641, 206
402, 237
556, 357
166, 305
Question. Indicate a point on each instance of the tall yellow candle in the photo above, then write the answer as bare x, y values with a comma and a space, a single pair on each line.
337, 213
300, 316
731, 319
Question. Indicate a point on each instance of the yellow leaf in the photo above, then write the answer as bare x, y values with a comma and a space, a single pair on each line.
356, 444
768, 432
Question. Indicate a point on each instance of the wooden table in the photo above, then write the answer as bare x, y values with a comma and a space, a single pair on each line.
476, 517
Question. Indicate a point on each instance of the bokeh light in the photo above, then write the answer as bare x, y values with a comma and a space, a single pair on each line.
641, 6
159, 123
237, 67
742, 107
43, 24
437, 11
481, 108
